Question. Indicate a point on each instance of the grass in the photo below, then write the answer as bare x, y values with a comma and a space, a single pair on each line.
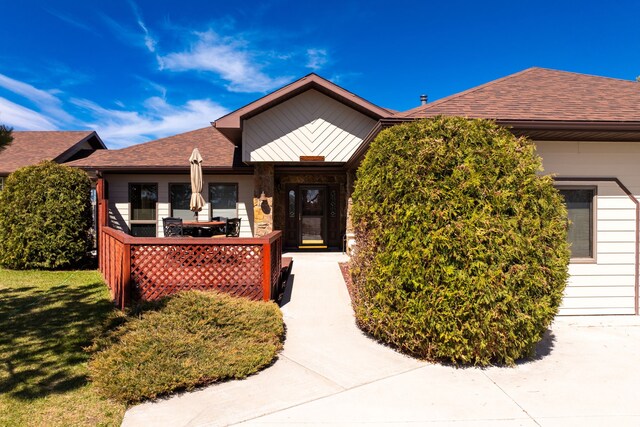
191, 339
46, 320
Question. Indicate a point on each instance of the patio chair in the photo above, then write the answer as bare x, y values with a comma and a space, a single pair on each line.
233, 227
221, 230
172, 227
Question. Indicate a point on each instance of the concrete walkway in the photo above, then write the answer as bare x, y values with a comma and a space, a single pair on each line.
330, 373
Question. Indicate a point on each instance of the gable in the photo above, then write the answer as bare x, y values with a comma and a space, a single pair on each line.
309, 124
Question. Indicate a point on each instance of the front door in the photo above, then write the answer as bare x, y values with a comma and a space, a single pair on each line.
313, 218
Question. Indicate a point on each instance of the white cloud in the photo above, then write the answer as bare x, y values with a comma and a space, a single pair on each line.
117, 127
131, 36
121, 128
22, 118
149, 41
316, 58
50, 105
151, 86
227, 57
70, 20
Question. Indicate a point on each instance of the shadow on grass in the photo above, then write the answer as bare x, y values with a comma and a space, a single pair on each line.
43, 335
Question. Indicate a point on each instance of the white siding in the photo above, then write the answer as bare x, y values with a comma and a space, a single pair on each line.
163, 210
119, 216
203, 215
310, 124
606, 286
119, 198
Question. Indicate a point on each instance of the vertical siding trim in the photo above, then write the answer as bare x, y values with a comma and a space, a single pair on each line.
637, 231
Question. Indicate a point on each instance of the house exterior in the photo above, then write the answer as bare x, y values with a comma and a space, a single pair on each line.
279, 163
32, 147
287, 162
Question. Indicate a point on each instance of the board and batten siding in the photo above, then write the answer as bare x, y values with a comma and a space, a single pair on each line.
606, 285
119, 207
309, 124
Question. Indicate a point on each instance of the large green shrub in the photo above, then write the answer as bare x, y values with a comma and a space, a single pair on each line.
45, 217
461, 245
194, 338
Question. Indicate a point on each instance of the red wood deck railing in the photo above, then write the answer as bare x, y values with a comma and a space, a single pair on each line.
149, 268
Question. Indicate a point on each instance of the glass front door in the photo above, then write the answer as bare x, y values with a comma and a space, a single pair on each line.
313, 225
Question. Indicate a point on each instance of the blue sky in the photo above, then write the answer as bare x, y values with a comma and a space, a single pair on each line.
137, 70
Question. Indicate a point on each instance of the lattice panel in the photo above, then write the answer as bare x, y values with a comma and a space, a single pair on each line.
160, 270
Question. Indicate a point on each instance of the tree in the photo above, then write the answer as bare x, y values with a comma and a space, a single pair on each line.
45, 217
6, 137
462, 254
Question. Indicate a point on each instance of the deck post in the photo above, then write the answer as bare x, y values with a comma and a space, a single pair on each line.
266, 271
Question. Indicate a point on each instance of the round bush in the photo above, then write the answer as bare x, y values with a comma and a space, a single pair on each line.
194, 338
45, 217
462, 254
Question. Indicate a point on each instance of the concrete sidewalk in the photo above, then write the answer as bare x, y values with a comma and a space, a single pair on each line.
330, 373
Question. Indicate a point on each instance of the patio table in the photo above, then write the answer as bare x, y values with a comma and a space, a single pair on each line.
198, 226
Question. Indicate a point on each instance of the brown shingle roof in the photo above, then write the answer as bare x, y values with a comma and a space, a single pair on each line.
32, 147
542, 94
167, 153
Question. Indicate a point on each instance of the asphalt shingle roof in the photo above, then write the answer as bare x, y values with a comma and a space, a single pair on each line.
32, 147
170, 152
542, 94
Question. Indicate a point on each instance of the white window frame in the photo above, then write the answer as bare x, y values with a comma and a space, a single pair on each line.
143, 221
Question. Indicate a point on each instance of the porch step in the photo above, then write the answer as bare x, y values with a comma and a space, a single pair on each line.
285, 270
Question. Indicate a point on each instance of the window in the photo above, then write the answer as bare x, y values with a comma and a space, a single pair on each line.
224, 199
143, 199
579, 201
180, 198
292, 204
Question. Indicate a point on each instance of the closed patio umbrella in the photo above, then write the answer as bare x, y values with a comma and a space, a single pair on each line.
197, 202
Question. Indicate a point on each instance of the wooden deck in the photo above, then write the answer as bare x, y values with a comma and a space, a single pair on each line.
143, 268
137, 268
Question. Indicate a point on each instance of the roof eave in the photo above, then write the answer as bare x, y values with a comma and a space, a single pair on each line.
166, 169
571, 124
234, 119
93, 139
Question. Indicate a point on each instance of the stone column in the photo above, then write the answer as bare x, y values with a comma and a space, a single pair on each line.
262, 209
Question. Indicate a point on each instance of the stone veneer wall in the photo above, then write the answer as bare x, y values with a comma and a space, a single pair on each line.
263, 209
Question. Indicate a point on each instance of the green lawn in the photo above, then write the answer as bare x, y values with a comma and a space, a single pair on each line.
46, 321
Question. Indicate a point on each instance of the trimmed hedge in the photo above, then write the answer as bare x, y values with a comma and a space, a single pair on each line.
45, 217
462, 253
190, 339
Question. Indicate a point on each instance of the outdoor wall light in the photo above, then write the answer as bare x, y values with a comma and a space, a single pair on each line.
264, 203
